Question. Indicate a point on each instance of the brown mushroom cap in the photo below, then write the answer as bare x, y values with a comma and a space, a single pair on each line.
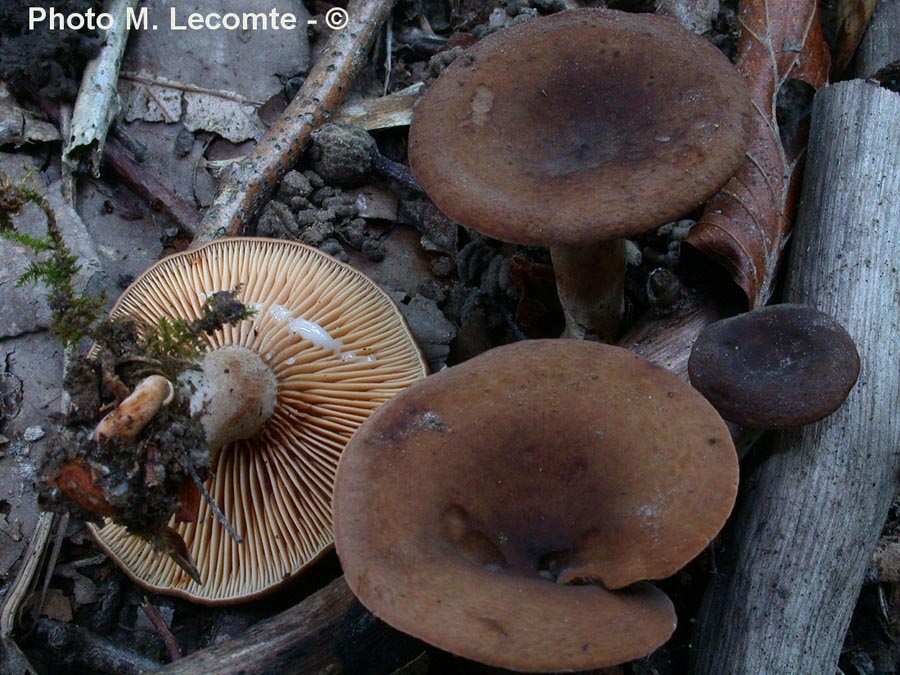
462, 500
338, 348
775, 367
581, 126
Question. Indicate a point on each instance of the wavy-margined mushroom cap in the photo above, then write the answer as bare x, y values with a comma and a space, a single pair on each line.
775, 367
338, 348
526, 473
576, 130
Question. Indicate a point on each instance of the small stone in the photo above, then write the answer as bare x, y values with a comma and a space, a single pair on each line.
431, 328
472, 261
353, 233
333, 248
373, 249
319, 196
277, 221
297, 203
294, 184
443, 266
32, 434
433, 290
342, 154
676, 231
184, 143
314, 179
84, 590
663, 288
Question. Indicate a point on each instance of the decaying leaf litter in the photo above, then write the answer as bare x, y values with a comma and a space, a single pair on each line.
456, 288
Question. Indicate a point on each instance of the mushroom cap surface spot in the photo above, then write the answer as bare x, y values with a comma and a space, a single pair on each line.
354, 352
471, 509
775, 367
581, 126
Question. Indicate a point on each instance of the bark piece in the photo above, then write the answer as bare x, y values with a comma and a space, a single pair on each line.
880, 47
811, 514
329, 632
746, 226
394, 110
87, 652
98, 100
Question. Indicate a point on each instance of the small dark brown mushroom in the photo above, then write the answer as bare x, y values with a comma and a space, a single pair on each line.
577, 130
775, 367
510, 509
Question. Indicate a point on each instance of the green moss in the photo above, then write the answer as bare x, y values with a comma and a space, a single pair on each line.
74, 315
166, 347
173, 344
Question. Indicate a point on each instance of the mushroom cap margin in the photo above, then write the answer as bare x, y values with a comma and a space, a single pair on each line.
452, 496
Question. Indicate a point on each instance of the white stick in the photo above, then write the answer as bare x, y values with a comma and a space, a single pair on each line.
98, 100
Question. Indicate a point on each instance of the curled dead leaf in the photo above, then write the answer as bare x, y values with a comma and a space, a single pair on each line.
747, 225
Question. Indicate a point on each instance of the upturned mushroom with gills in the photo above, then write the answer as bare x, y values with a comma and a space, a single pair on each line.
575, 131
544, 484
278, 394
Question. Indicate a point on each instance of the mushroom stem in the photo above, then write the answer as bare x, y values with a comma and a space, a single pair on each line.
234, 393
590, 280
136, 410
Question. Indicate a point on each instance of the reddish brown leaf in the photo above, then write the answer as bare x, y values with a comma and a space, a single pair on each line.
746, 226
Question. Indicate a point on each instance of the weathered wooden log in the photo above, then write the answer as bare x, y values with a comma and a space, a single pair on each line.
811, 513
329, 632
666, 340
880, 47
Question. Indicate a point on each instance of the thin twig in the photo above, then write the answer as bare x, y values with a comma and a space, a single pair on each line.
217, 512
388, 48
397, 171
150, 189
54, 555
251, 181
188, 88
172, 648
144, 184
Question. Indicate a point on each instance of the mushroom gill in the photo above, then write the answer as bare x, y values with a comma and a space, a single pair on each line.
337, 348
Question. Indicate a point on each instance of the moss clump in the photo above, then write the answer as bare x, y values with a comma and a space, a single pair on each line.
75, 316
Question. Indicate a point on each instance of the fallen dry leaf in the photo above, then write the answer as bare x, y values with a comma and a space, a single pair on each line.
746, 226
56, 606
162, 100
847, 21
